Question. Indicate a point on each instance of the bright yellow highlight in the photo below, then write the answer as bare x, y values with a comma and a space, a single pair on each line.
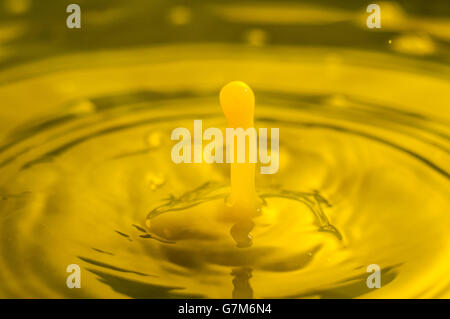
238, 105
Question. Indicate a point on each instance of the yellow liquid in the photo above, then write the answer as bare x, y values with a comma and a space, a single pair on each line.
86, 175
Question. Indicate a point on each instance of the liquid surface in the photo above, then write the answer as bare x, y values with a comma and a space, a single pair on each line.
86, 175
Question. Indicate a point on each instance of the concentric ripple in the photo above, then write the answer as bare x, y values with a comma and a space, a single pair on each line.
88, 178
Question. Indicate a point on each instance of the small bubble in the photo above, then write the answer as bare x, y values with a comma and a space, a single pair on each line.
83, 107
155, 180
229, 202
338, 100
256, 37
154, 139
180, 15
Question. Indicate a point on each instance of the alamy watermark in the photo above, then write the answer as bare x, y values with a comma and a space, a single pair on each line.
73, 21
374, 19
74, 279
373, 280
236, 140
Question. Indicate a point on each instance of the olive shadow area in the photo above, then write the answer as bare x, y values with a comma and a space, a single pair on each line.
111, 267
140, 290
352, 287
